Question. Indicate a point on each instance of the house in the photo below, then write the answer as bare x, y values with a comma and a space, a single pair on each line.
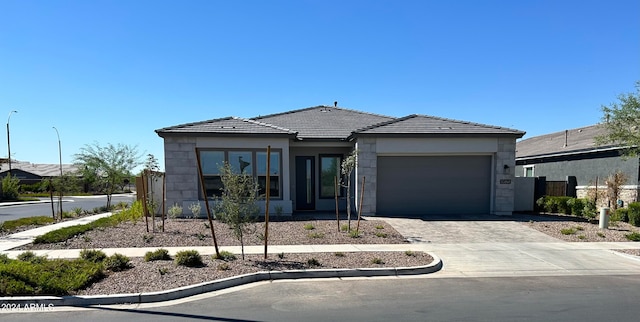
413, 165
30, 173
574, 154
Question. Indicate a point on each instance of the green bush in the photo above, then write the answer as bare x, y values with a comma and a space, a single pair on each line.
621, 214
225, 256
541, 203
634, 213
562, 205
10, 187
49, 277
577, 206
633, 236
10, 225
117, 263
31, 257
159, 254
189, 258
590, 211
93, 255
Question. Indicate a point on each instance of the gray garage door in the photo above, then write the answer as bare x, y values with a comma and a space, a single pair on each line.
424, 185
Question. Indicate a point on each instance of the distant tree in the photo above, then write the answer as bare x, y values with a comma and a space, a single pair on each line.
10, 187
237, 206
106, 167
622, 121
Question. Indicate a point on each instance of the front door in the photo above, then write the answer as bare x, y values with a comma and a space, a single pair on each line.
305, 183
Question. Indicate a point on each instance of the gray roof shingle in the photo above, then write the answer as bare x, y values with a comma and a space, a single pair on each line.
430, 125
563, 142
324, 122
227, 125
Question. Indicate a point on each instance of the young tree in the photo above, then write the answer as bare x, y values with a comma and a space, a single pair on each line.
622, 121
107, 166
237, 206
348, 164
614, 183
151, 174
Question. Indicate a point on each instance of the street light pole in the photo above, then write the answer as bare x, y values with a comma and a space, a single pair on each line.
60, 181
9, 142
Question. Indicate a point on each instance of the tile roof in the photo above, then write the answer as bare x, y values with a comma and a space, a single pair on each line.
563, 142
228, 125
324, 122
430, 125
334, 123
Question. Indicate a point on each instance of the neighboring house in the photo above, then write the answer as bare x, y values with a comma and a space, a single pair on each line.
30, 173
414, 165
573, 153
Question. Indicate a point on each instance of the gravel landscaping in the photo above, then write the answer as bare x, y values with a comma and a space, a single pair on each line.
580, 230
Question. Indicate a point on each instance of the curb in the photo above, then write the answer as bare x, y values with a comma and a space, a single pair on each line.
186, 291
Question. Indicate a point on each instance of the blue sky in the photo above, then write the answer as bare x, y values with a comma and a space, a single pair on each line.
115, 71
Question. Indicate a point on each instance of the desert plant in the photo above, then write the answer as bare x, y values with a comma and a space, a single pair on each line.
338, 254
224, 267
31, 257
377, 260
93, 255
281, 255
582, 236
159, 254
195, 209
237, 206
225, 256
189, 258
312, 262
316, 234
175, 211
633, 236
600, 234
409, 253
117, 263
568, 231
354, 234
381, 234
344, 227
379, 227
163, 271
309, 227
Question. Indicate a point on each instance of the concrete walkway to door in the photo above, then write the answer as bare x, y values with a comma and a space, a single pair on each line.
493, 246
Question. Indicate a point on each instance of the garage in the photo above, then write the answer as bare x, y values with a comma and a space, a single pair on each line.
430, 185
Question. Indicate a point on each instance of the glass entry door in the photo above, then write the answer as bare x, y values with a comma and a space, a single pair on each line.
305, 183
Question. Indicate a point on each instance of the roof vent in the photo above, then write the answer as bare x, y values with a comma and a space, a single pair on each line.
566, 138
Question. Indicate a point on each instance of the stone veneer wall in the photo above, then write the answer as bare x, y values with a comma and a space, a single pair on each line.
367, 167
181, 170
629, 193
504, 179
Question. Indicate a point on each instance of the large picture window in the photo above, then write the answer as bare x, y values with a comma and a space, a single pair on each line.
329, 170
250, 162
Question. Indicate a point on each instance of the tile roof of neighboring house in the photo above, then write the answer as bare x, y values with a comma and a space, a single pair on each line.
334, 123
563, 142
228, 125
430, 125
42, 170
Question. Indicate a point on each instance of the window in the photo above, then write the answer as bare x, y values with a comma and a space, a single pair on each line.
241, 161
329, 170
528, 171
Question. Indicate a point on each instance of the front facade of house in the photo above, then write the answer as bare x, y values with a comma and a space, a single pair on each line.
415, 165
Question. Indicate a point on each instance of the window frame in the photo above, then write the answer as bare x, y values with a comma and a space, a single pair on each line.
529, 167
340, 158
254, 167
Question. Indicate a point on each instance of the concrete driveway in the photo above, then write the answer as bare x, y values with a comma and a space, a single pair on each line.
466, 229
493, 246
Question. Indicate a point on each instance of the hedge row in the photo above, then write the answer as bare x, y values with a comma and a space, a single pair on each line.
579, 207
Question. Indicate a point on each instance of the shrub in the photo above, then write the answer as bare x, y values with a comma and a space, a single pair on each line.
189, 258
568, 231
10, 225
562, 204
49, 277
226, 256
93, 255
195, 209
344, 227
590, 211
410, 253
117, 263
159, 254
224, 267
379, 227
377, 260
621, 214
31, 257
633, 236
175, 211
316, 235
311, 262
354, 234
10, 187
382, 235
309, 227
4, 259
338, 254
577, 206
634, 213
